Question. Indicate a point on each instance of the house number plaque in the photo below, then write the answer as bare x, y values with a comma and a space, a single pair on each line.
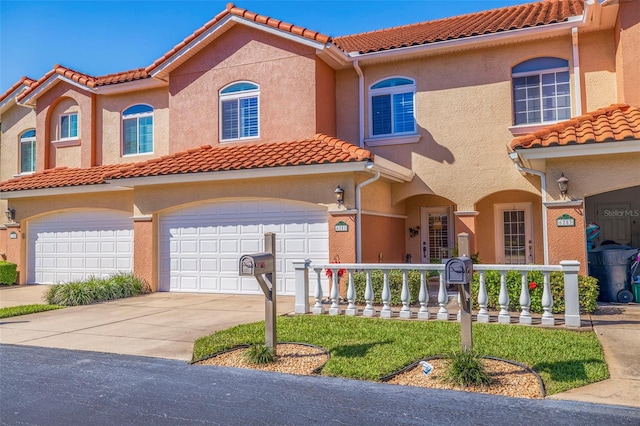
341, 227
565, 220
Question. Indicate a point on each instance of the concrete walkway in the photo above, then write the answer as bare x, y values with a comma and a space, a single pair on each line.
165, 325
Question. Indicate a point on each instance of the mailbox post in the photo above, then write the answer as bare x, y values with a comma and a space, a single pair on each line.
262, 267
459, 271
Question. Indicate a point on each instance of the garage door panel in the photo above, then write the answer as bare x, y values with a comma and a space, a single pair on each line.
226, 230
75, 245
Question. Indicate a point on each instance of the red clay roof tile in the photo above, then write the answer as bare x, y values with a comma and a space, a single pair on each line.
26, 81
616, 123
320, 149
487, 22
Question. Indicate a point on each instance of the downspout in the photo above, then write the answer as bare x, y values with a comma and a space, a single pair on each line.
577, 79
543, 184
356, 66
359, 211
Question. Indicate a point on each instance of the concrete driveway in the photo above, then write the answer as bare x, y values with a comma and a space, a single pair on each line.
162, 325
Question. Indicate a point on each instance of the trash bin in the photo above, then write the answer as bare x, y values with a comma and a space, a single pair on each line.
611, 265
635, 287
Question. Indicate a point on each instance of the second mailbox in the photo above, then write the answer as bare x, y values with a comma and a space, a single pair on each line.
256, 264
458, 270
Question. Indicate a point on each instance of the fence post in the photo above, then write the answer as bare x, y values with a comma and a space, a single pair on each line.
302, 286
570, 270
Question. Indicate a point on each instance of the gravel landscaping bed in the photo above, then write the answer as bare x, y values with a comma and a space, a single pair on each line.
294, 358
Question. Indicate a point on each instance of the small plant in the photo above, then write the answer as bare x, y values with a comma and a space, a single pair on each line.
466, 369
259, 354
95, 289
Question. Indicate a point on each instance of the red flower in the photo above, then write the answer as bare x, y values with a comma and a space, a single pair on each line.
329, 272
533, 285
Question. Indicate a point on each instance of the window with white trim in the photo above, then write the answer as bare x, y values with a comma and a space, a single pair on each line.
137, 130
28, 151
239, 111
69, 126
391, 102
541, 91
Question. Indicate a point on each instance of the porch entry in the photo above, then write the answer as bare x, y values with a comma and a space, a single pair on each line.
514, 233
438, 241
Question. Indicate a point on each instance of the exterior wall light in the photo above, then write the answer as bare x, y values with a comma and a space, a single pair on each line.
11, 215
339, 195
563, 185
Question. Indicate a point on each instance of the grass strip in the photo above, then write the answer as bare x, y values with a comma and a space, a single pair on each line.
370, 348
14, 311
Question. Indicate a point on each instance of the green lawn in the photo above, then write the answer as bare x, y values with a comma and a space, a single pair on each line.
26, 309
368, 348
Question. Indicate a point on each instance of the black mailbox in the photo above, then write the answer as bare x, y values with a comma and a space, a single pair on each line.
458, 270
256, 264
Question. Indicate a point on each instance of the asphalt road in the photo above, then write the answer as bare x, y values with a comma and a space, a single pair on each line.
41, 386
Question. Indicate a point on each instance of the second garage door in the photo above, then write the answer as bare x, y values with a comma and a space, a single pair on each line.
200, 245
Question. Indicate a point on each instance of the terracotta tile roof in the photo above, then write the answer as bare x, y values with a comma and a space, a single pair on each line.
463, 26
616, 123
320, 149
26, 81
86, 79
231, 9
58, 177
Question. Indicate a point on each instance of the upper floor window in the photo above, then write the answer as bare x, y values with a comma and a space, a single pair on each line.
69, 126
28, 151
137, 129
239, 111
392, 107
541, 91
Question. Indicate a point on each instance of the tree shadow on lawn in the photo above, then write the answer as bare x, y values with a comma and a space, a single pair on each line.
570, 371
356, 351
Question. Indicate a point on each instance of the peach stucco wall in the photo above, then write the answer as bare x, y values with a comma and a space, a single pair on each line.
383, 239
597, 65
14, 121
145, 262
627, 57
325, 98
342, 245
284, 70
109, 125
567, 243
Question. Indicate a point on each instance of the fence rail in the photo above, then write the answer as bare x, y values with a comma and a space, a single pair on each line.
308, 273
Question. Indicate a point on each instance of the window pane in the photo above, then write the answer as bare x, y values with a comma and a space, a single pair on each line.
230, 119
27, 156
64, 126
381, 114
145, 134
73, 125
239, 87
392, 82
249, 117
137, 109
403, 113
130, 135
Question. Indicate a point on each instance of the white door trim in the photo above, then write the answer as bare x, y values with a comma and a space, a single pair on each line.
498, 211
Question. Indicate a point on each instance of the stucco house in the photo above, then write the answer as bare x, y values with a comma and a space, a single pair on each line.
372, 147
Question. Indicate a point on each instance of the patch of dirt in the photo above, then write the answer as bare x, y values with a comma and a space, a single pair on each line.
293, 358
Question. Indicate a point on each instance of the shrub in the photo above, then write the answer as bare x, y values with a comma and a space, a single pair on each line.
93, 290
259, 354
587, 289
395, 285
466, 369
8, 272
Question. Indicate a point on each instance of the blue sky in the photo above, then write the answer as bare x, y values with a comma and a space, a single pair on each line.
101, 37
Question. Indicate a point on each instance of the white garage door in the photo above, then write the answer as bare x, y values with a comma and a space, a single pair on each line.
200, 245
72, 246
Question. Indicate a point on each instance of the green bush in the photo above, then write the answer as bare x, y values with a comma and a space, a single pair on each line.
466, 369
259, 354
93, 290
587, 289
8, 272
395, 285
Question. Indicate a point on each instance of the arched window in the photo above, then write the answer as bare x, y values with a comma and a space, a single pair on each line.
239, 111
541, 91
28, 151
137, 129
391, 102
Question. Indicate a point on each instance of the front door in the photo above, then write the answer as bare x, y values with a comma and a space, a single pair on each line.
437, 242
514, 243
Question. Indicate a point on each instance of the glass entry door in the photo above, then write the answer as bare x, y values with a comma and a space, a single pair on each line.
437, 242
514, 244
